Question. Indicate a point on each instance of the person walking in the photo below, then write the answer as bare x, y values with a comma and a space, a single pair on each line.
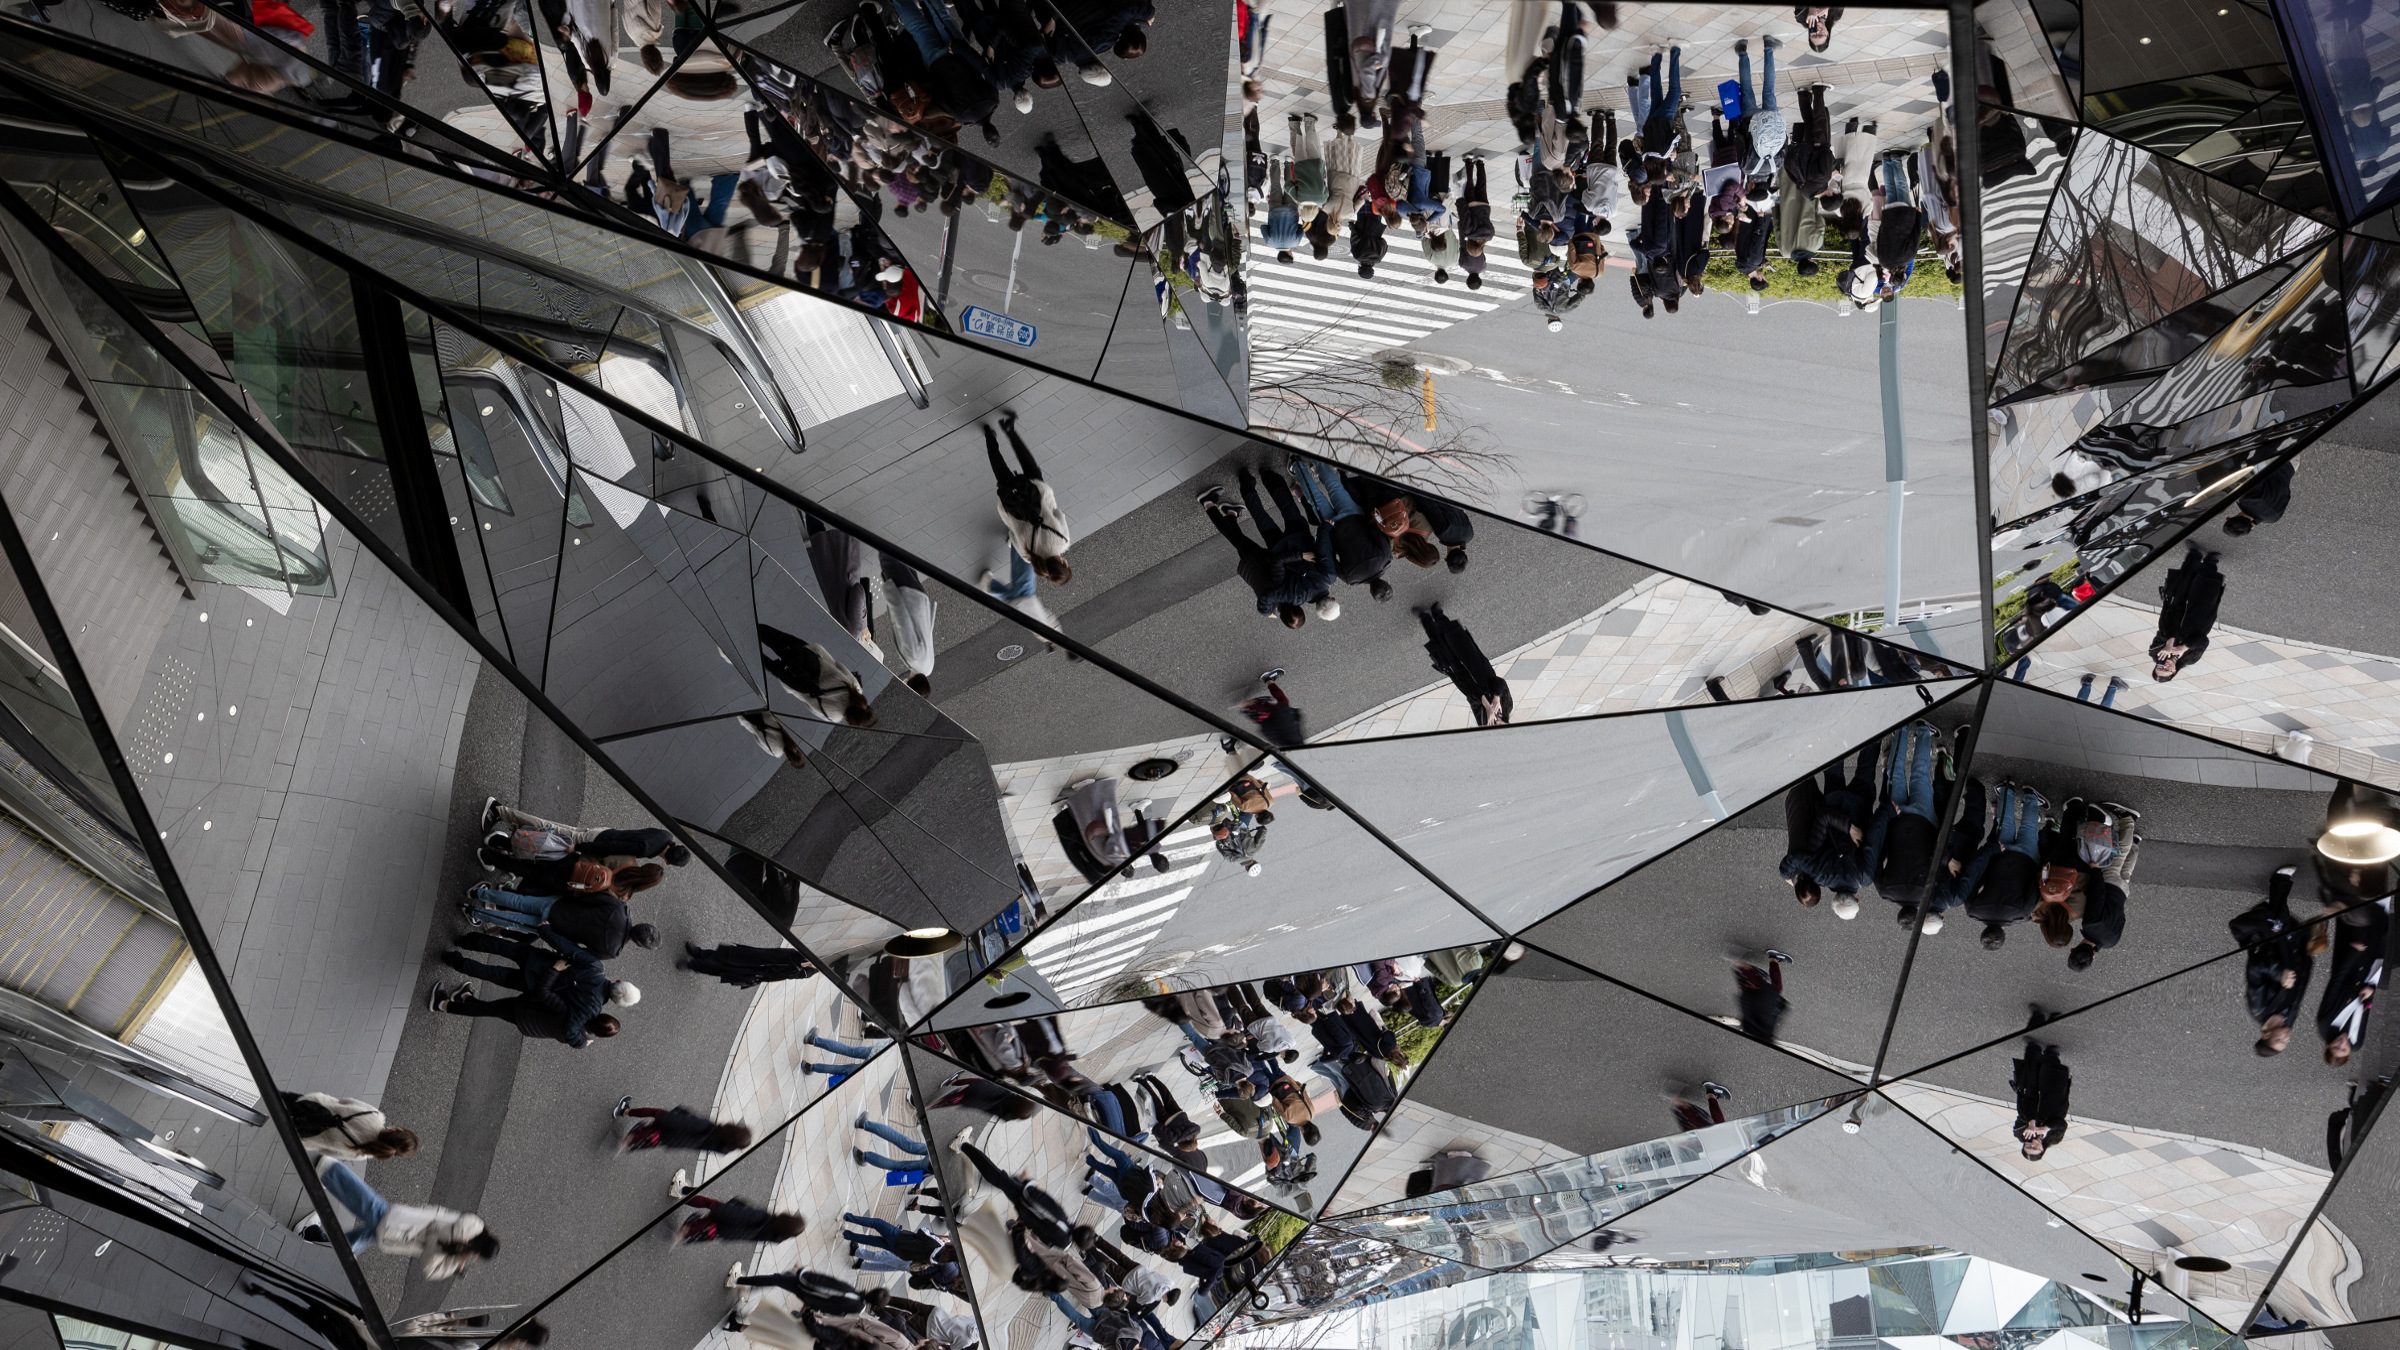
913, 1148
1808, 166
678, 1127
1766, 133
609, 846
2353, 972
1454, 653
1361, 550
2276, 970
839, 563
600, 924
907, 1244
1904, 865
447, 1241
2000, 883
1827, 840
1690, 1115
911, 612
1475, 228
1042, 1216
567, 978
2263, 502
1899, 229
534, 1019
1277, 720
837, 1072
344, 1128
735, 1220
2041, 1081
1294, 568
2187, 610
746, 967
1658, 109
1758, 991
825, 687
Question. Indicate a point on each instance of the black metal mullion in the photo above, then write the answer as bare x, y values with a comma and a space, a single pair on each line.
417, 494
70, 666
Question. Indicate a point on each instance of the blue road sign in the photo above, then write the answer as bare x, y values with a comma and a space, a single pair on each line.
984, 323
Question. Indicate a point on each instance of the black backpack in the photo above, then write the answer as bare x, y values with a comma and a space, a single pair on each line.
310, 1118
1115, 1329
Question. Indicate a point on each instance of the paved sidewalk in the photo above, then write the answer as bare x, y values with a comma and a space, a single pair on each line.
2250, 689
1414, 1132
2154, 1196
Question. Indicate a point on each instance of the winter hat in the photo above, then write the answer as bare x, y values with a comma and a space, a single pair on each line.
1329, 609
623, 993
1933, 925
1845, 906
1556, 323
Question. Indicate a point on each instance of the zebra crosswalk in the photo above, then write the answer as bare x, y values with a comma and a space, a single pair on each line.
1305, 313
2013, 214
1107, 932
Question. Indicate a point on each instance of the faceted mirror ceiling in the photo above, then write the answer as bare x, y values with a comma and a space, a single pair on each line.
948, 673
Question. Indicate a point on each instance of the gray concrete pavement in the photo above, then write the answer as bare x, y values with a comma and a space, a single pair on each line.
1744, 450
1155, 589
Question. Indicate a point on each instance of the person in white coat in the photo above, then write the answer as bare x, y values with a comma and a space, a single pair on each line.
447, 1240
825, 686
1037, 529
911, 612
344, 1128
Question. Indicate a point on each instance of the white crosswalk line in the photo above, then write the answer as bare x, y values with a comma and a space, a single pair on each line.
1313, 312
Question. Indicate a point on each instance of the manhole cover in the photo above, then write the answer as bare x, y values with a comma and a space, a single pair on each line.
1011, 652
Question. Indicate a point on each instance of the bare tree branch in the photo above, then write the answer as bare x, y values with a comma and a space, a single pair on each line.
1365, 410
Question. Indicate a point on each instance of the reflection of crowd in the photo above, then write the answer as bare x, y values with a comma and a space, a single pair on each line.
2065, 871
1247, 1050
1763, 176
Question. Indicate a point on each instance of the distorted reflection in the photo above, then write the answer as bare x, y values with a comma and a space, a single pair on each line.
1293, 1072
1820, 184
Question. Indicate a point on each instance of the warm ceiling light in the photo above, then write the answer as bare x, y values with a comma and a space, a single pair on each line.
2145, 42
2350, 829
924, 942
2379, 844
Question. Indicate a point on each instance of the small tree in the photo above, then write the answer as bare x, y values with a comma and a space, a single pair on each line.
1367, 410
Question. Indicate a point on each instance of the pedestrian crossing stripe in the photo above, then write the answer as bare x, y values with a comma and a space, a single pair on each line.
1339, 312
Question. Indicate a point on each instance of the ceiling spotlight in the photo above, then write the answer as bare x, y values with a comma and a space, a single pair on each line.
2145, 42
2365, 848
924, 942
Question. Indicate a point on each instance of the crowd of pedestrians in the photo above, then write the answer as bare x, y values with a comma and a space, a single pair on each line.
1768, 187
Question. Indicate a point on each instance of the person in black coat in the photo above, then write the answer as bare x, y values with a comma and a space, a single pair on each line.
2188, 601
1160, 159
2042, 1082
2275, 974
600, 924
1758, 991
2352, 973
1454, 653
735, 1220
561, 990
747, 967
2263, 502
680, 1127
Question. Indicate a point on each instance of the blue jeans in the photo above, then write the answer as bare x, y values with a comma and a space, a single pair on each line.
1104, 1191
1333, 1072
1332, 500
1647, 98
1896, 189
893, 1137
926, 24
853, 1051
876, 1258
511, 910
352, 1193
1020, 579
883, 1230
1192, 1034
2021, 821
891, 1165
1911, 787
1112, 1115
1752, 102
